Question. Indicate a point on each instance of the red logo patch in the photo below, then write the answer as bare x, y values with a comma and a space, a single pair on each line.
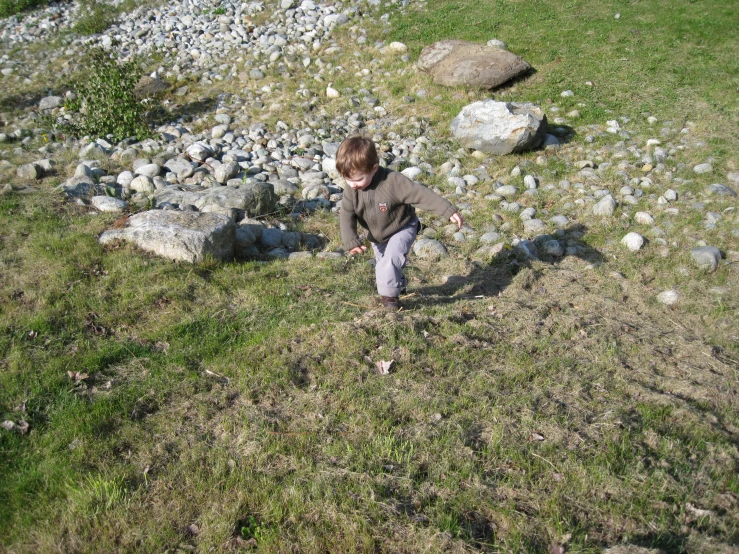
383, 206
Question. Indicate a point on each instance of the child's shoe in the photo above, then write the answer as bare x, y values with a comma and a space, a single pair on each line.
390, 302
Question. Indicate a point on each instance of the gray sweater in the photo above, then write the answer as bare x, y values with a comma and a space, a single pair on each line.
385, 206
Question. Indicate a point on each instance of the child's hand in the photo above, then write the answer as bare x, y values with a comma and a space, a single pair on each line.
357, 250
457, 218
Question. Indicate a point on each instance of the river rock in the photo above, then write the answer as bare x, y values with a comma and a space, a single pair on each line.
500, 128
633, 241
461, 63
108, 204
181, 236
429, 249
706, 257
605, 207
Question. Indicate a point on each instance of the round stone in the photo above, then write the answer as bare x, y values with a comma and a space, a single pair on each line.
633, 241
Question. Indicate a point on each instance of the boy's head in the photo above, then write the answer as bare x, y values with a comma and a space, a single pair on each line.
356, 156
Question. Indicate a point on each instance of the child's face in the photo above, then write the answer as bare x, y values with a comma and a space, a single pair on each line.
360, 181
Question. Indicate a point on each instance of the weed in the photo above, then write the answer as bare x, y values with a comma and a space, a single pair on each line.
106, 99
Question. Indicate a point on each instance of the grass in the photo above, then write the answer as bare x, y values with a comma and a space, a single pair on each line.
531, 405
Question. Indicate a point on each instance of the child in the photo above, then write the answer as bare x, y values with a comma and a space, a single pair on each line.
383, 202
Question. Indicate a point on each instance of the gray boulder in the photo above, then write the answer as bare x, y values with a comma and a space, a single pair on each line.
255, 199
181, 236
30, 172
605, 207
457, 62
50, 102
500, 128
718, 189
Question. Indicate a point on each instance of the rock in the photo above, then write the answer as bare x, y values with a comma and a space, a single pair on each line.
643, 218
703, 168
427, 248
489, 252
150, 170
254, 199
606, 206
495, 43
461, 63
142, 183
506, 191
124, 178
50, 102
668, 297
199, 151
717, 189
534, 226
80, 188
412, 173
553, 248
332, 92
181, 236
560, 221
706, 257
633, 241
150, 86
500, 128
30, 172
491, 237
397, 48
108, 204
226, 171
530, 182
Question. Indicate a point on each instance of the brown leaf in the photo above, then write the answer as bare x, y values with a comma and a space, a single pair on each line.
535, 436
22, 427
77, 376
383, 367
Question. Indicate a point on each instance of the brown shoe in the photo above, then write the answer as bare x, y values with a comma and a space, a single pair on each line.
390, 302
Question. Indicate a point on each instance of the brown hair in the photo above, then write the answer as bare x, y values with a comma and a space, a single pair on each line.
356, 155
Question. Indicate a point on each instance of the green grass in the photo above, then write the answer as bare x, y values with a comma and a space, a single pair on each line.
231, 405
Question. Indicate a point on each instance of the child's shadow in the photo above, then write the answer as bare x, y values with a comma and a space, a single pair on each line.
490, 279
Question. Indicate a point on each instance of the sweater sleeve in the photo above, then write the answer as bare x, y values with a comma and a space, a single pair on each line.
348, 222
410, 192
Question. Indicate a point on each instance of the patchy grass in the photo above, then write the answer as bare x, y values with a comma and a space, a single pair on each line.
531, 405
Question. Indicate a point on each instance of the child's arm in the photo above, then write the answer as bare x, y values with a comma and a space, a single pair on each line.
348, 223
410, 192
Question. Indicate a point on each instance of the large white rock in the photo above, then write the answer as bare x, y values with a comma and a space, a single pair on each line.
181, 236
500, 128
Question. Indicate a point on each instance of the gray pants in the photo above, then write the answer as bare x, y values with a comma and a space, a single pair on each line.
391, 257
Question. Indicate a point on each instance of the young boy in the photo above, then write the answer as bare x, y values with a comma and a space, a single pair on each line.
383, 201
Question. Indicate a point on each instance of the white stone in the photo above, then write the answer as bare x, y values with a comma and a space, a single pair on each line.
633, 241
108, 204
643, 218
668, 297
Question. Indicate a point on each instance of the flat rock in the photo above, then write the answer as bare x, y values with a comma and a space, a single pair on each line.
182, 236
461, 63
500, 128
255, 199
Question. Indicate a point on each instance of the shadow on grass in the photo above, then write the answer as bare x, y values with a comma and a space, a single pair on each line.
493, 278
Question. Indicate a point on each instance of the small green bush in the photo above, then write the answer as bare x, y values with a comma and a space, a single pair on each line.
106, 99
12, 7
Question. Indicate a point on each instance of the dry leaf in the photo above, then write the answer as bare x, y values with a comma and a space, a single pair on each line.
697, 512
383, 367
221, 378
22, 427
536, 436
77, 376
7, 425
557, 477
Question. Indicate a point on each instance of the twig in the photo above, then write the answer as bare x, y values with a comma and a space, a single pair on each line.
547, 461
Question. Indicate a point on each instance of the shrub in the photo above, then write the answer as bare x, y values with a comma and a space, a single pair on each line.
106, 99
12, 7
95, 18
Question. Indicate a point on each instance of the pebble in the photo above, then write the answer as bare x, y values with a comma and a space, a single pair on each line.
668, 297
605, 207
703, 168
633, 241
706, 257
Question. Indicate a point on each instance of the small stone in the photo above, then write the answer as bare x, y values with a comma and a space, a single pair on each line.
108, 204
506, 191
643, 218
429, 249
668, 297
495, 43
553, 248
534, 226
717, 189
606, 206
633, 241
530, 182
567, 94
703, 168
670, 195
706, 257
332, 92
